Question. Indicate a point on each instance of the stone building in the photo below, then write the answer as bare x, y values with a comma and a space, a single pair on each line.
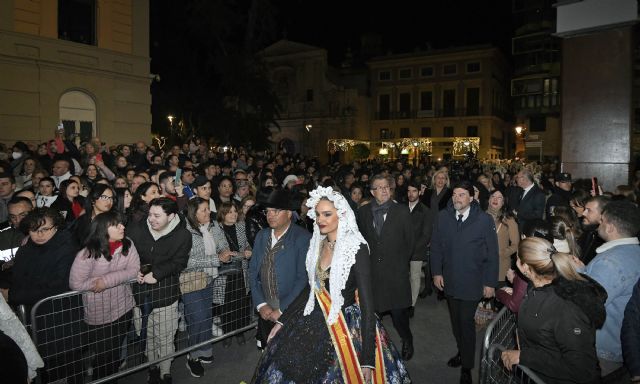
82, 63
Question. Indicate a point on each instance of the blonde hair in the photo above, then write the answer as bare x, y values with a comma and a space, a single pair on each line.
433, 178
543, 259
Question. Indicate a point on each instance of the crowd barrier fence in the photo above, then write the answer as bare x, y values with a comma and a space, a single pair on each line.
88, 337
501, 335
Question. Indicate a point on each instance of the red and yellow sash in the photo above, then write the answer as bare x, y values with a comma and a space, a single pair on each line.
347, 356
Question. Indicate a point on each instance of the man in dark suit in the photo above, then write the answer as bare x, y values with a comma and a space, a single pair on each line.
464, 263
422, 221
277, 271
386, 226
532, 201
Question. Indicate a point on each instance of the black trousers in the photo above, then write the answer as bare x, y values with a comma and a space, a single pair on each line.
462, 314
400, 319
106, 340
264, 329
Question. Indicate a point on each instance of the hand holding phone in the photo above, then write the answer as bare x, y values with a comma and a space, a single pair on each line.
99, 158
178, 179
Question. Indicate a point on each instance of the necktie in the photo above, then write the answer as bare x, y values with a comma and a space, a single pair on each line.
460, 220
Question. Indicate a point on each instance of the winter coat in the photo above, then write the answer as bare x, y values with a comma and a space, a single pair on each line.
557, 328
168, 256
422, 219
466, 257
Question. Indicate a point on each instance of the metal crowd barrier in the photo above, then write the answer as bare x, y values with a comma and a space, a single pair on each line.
500, 336
156, 330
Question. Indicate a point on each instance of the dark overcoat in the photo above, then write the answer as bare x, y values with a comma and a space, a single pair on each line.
390, 256
422, 220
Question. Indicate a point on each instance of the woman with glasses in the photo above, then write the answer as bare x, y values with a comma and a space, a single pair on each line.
101, 199
41, 270
100, 270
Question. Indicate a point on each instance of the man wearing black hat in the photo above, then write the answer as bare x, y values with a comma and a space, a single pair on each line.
464, 263
277, 271
561, 193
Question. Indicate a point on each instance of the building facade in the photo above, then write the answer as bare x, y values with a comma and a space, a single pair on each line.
536, 83
82, 63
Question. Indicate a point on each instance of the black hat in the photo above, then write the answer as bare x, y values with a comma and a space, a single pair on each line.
563, 177
199, 182
279, 199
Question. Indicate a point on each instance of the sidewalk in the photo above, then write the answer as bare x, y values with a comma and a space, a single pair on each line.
433, 342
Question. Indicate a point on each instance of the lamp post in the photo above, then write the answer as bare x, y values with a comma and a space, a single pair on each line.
170, 117
416, 154
521, 131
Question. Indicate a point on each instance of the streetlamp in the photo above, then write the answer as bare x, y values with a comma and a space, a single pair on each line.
170, 117
521, 132
416, 153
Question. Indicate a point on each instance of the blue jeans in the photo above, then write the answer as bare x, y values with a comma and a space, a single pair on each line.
199, 317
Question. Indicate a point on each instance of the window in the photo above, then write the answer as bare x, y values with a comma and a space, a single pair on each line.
77, 21
309, 95
537, 124
448, 132
551, 94
449, 69
405, 132
405, 73
448, 102
426, 71
473, 67
426, 101
78, 115
404, 105
384, 133
473, 101
472, 131
384, 107
384, 75
526, 87
425, 131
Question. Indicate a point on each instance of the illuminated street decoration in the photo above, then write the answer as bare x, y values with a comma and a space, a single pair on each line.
464, 145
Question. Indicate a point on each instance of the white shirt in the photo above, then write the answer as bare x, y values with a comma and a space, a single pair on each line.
526, 190
413, 205
614, 243
464, 214
275, 239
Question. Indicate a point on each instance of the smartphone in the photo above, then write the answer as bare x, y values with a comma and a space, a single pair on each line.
99, 157
594, 186
178, 175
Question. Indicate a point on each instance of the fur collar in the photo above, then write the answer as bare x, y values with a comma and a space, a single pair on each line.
587, 295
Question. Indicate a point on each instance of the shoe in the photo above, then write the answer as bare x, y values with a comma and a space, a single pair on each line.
166, 379
407, 350
195, 367
412, 311
206, 359
465, 376
241, 339
226, 343
154, 375
455, 361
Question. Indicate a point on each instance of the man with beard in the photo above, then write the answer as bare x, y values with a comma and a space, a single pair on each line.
464, 263
589, 241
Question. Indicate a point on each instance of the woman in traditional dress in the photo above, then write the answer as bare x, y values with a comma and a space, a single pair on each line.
336, 305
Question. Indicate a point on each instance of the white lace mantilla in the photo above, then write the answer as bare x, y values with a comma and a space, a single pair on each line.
347, 244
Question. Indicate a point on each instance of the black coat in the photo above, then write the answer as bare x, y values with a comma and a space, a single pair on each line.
630, 333
444, 200
557, 328
466, 257
168, 256
560, 198
530, 207
390, 256
422, 220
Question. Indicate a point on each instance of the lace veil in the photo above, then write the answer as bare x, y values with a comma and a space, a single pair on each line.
347, 245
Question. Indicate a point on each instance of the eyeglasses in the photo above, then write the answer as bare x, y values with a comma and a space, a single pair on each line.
272, 211
382, 188
42, 231
105, 197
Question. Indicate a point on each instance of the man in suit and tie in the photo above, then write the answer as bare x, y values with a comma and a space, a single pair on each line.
277, 270
532, 201
386, 225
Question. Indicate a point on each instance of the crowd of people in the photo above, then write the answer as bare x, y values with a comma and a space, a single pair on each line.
215, 236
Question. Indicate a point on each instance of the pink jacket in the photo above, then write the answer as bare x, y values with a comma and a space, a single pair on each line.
116, 300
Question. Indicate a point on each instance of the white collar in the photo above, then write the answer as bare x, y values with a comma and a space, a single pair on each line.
275, 239
528, 189
464, 214
614, 243
413, 205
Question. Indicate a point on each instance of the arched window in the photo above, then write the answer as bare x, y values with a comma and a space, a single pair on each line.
78, 115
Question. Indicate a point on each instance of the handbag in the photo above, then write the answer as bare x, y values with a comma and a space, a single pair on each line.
192, 281
485, 312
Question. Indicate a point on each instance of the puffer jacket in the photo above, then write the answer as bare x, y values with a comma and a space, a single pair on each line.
168, 256
557, 327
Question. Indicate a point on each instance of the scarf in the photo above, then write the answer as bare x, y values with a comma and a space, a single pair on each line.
166, 230
209, 248
113, 246
495, 213
379, 210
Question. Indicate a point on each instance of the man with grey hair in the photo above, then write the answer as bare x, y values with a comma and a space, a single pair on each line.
387, 227
531, 201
